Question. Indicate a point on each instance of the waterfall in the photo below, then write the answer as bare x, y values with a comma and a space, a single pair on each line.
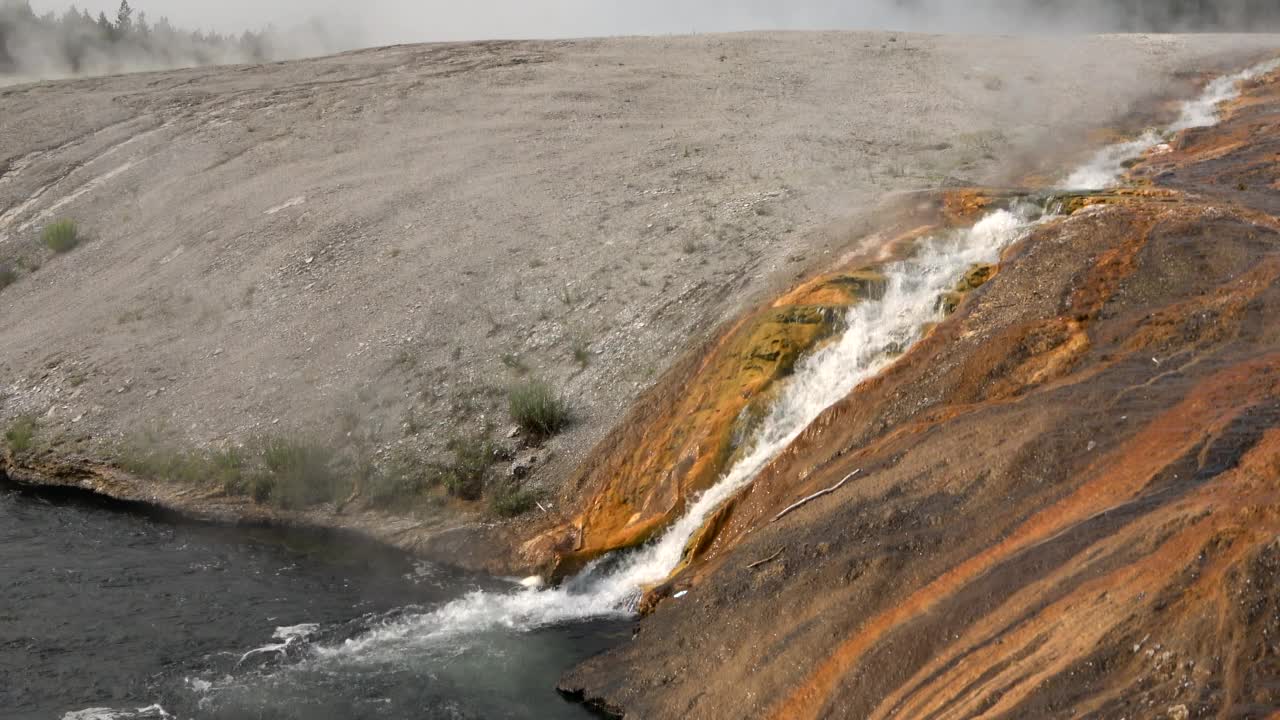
876, 332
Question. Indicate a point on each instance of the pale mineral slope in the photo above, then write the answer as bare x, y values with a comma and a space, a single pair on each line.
373, 233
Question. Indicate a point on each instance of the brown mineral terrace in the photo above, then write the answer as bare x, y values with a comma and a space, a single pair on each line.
1063, 502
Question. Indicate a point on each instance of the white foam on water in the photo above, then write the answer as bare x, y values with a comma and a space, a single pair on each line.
1107, 166
151, 712
290, 632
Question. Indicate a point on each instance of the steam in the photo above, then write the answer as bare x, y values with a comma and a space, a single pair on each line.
379, 22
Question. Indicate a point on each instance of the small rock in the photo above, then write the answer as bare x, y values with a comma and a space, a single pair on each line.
218, 352
523, 465
505, 450
1179, 712
513, 432
152, 393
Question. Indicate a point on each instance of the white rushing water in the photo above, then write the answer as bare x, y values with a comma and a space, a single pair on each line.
876, 332
1106, 168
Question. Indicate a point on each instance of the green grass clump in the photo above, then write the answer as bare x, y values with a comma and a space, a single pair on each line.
61, 236
297, 474
20, 434
285, 472
513, 362
464, 477
581, 351
225, 468
404, 478
507, 499
537, 409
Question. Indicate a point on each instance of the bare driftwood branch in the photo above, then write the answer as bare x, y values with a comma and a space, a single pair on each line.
769, 559
815, 496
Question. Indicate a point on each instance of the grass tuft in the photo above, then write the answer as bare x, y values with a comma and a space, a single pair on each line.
20, 434
8, 276
224, 468
285, 472
61, 236
464, 477
512, 361
581, 351
299, 474
403, 478
537, 409
507, 499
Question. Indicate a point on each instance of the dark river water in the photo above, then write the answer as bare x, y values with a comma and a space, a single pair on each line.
113, 613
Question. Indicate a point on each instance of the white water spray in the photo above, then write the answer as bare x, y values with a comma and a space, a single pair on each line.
1107, 166
877, 331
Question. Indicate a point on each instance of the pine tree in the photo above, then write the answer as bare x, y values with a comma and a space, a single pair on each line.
124, 18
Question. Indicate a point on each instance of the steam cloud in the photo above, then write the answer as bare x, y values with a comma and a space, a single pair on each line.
49, 46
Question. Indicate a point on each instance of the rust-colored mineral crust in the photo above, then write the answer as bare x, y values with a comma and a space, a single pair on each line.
639, 482
1069, 498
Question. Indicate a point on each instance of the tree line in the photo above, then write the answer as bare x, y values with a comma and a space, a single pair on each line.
1116, 15
75, 42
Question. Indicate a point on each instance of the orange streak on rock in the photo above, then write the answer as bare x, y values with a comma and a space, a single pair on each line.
1117, 477
1233, 504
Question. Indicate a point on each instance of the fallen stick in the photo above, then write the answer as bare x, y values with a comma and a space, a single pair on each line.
814, 496
769, 559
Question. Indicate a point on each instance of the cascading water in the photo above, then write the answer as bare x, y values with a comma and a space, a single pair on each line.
1105, 169
875, 333
485, 622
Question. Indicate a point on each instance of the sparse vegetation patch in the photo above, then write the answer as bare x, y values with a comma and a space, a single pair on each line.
581, 351
508, 499
406, 476
286, 472
298, 474
20, 434
464, 477
61, 236
537, 409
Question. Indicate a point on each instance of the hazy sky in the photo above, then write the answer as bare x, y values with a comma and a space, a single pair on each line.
371, 22
383, 21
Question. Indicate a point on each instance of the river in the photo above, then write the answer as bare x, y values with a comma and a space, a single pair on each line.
114, 612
